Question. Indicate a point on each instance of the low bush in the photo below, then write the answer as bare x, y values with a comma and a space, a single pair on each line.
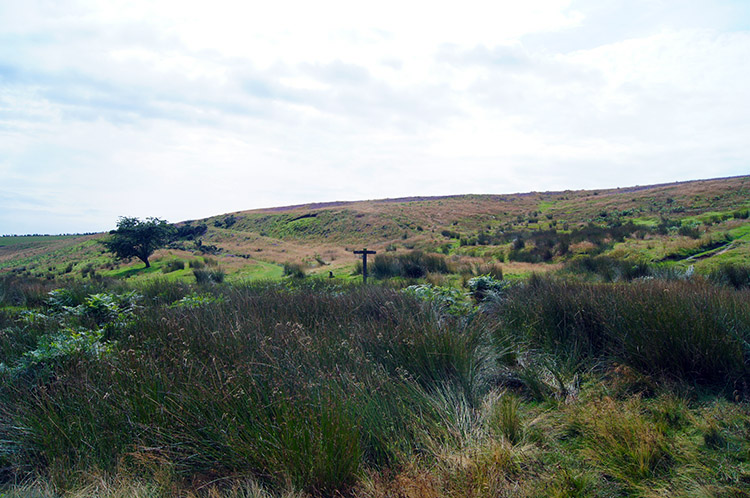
493, 270
691, 231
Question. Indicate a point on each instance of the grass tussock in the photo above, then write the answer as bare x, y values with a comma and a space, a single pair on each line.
414, 264
690, 331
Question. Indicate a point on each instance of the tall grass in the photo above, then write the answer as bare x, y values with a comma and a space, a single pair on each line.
414, 264
316, 386
690, 331
290, 386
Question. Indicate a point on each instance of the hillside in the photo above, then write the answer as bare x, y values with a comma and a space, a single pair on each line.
700, 223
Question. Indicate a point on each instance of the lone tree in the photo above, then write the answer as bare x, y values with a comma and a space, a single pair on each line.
136, 238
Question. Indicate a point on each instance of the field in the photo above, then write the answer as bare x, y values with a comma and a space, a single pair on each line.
570, 344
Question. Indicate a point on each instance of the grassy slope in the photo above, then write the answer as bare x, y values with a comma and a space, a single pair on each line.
327, 233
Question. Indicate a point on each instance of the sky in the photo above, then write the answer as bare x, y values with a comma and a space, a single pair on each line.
183, 110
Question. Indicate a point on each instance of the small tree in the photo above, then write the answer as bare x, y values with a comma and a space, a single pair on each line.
136, 238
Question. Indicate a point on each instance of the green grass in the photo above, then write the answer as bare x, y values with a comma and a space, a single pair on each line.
740, 233
33, 240
259, 270
646, 221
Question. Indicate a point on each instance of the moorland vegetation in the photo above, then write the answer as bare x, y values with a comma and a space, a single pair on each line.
559, 344
543, 387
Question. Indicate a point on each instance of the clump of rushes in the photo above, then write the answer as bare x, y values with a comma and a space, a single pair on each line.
294, 270
693, 332
301, 386
209, 276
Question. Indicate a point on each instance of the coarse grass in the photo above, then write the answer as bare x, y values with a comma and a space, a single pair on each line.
314, 387
208, 276
609, 269
414, 264
691, 331
294, 270
173, 265
735, 275
299, 386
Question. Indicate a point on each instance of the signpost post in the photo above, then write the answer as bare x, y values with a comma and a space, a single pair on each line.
364, 252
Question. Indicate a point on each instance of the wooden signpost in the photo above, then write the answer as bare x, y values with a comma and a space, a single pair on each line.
364, 252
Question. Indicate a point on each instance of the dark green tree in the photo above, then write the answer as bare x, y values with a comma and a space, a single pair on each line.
139, 239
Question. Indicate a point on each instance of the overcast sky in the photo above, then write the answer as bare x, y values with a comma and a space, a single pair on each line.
184, 110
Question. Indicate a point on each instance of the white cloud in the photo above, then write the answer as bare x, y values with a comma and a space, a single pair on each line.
187, 109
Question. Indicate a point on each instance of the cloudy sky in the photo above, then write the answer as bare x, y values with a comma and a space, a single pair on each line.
182, 110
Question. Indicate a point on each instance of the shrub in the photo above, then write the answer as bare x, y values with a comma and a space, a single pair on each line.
446, 299
450, 234
689, 231
609, 269
67, 345
190, 232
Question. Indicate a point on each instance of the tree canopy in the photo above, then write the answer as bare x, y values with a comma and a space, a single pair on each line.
139, 239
